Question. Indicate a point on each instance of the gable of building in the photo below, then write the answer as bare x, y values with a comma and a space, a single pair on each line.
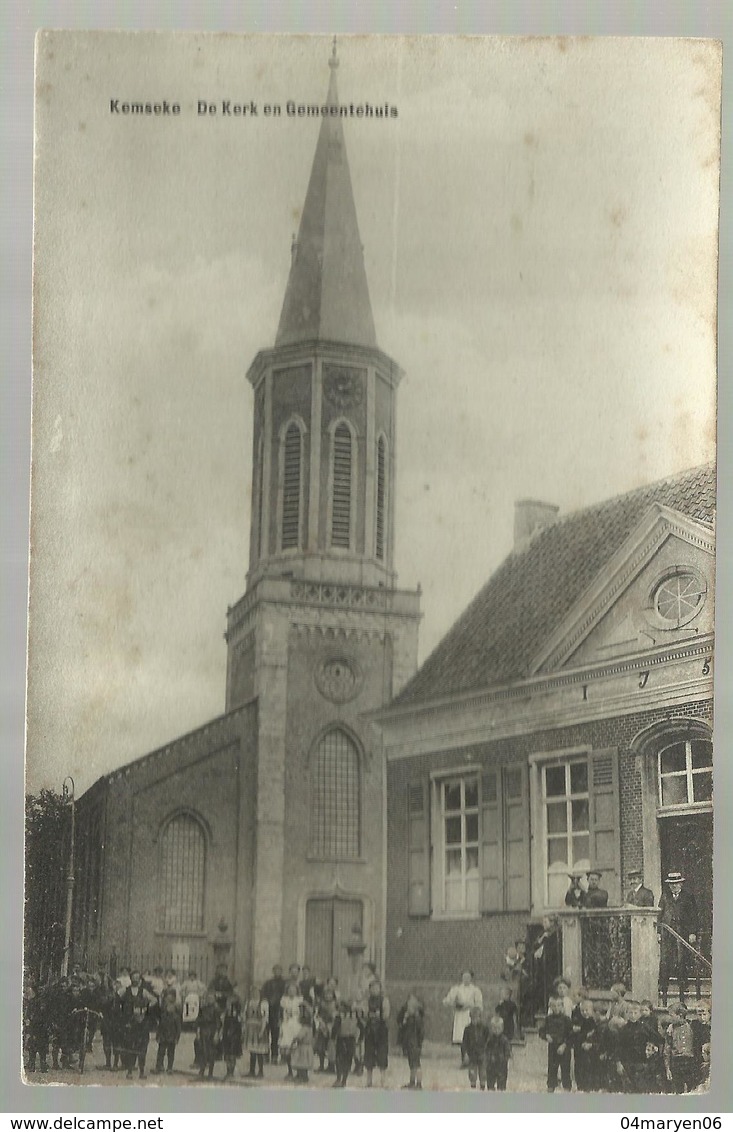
656, 592
504, 630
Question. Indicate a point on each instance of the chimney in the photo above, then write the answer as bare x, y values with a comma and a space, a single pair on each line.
530, 517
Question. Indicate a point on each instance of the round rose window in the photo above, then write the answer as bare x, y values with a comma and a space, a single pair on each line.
679, 597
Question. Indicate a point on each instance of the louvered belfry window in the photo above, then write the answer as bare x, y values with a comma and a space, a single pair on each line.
342, 473
335, 798
381, 495
291, 488
182, 871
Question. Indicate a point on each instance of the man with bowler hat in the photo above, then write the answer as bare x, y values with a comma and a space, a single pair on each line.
677, 910
638, 896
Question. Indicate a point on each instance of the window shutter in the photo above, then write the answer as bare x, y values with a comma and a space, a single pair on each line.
381, 496
418, 850
341, 488
605, 838
492, 864
516, 837
291, 488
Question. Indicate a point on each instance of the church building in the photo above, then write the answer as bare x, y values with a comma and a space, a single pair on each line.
259, 838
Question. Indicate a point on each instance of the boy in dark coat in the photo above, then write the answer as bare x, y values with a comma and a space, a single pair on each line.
507, 1011
208, 1030
136, 1001
169, 1030
273, 990
636, 1049
557, 1032
411, 1031
585, 1038
498, 1052
473, 1048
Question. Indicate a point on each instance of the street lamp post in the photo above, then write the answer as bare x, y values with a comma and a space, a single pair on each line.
68, 792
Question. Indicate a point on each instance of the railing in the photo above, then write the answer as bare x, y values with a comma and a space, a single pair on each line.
602, 946
699, 957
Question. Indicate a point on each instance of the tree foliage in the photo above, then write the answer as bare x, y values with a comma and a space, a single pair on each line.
47, 825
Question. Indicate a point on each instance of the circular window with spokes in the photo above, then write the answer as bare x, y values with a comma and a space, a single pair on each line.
678, 597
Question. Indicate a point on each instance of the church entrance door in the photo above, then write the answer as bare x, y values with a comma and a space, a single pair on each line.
330, 924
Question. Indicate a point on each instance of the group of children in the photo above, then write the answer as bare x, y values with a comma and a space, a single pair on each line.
617, 1046
624, 1047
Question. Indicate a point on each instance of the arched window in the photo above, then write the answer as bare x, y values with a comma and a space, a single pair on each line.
685, 770
335, 801
291, 486
182, 874
342, 471
381, 501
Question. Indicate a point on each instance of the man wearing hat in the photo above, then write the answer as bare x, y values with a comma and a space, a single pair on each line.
639, 896
677, 910
595, 897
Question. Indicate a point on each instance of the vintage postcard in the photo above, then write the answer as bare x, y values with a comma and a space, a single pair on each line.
370, 684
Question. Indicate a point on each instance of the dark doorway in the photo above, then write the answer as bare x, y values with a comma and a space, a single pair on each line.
686, 844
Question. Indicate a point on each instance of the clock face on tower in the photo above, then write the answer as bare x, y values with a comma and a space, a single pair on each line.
338, 679
343, 387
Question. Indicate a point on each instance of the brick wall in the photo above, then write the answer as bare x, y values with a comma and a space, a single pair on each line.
430, 950
209, 772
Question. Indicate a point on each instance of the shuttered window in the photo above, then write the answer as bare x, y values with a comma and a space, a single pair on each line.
580, 822
335, 800
459, 801
182, 873
341, 487
292, 472
567, 828
470, 854
380, 517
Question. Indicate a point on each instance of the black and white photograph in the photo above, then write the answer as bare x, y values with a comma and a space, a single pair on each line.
372, 575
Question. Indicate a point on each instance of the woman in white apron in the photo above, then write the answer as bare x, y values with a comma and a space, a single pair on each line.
463, 997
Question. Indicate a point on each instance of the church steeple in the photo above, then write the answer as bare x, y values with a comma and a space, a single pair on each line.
324, 420
327, 296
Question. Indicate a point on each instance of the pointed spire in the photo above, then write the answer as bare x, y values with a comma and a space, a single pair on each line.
327, 296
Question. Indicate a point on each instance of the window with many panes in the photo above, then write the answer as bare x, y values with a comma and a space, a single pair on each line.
182, 871
335, 801
685, 771
459, 807
566, 811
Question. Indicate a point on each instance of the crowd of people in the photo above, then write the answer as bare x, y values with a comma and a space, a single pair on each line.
307, 1024
296, 1021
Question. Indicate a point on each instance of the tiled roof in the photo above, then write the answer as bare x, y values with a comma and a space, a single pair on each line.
495, 639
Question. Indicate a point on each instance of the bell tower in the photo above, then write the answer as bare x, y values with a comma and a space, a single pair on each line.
322, 635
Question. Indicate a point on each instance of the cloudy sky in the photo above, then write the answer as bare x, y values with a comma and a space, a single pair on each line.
540, 228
